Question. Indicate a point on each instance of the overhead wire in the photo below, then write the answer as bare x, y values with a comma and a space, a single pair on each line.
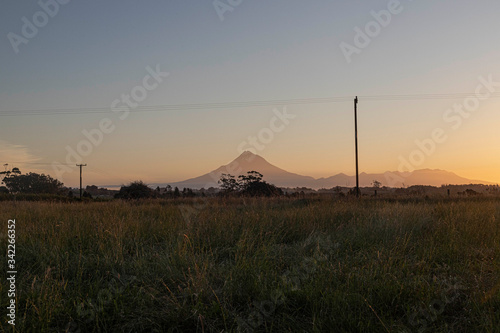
226, 105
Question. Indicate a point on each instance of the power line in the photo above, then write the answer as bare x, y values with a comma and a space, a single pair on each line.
226, 105
32, 163
176, 107
424, 96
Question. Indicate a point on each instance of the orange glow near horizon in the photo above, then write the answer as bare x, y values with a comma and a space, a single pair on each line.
236, 62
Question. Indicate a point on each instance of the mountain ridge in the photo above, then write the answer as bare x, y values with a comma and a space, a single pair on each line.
249, 161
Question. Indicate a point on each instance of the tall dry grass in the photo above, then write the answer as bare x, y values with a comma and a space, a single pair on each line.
260, 265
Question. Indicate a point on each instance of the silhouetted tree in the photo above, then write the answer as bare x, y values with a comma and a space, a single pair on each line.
228, 183
177, 193
250, 184
187, 193
338, 191
168, 192
260, 188
8, 173
32, 183
136, 190
249, 178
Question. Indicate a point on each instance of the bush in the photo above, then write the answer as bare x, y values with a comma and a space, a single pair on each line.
256, 189
136, 190
248, 185
33, 183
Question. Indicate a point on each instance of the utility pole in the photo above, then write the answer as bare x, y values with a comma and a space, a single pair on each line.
356, 141
81, 165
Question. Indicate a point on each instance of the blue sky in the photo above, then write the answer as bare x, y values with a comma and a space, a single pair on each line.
91, 52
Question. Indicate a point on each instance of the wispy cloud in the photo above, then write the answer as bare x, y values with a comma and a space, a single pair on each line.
16, 154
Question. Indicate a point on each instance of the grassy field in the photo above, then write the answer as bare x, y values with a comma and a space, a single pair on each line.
255, 265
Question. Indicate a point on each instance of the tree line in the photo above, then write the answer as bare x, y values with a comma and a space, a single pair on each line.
251, 184
30, 183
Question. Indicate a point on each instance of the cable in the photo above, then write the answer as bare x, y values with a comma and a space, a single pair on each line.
175, 107
32, 163
424, 96
201, 106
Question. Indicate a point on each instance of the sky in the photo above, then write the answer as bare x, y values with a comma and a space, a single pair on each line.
85, 56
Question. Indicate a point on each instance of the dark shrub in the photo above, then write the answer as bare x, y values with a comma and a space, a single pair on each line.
136, 190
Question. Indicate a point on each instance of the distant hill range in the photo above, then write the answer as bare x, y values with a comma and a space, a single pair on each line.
248, 161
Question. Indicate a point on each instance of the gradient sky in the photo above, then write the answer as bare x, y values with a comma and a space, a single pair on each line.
92, 52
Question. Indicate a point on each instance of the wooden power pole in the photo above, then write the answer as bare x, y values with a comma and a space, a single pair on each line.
81, 165
356, 142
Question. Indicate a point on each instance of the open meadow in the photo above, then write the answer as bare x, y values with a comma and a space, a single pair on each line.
255, 265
